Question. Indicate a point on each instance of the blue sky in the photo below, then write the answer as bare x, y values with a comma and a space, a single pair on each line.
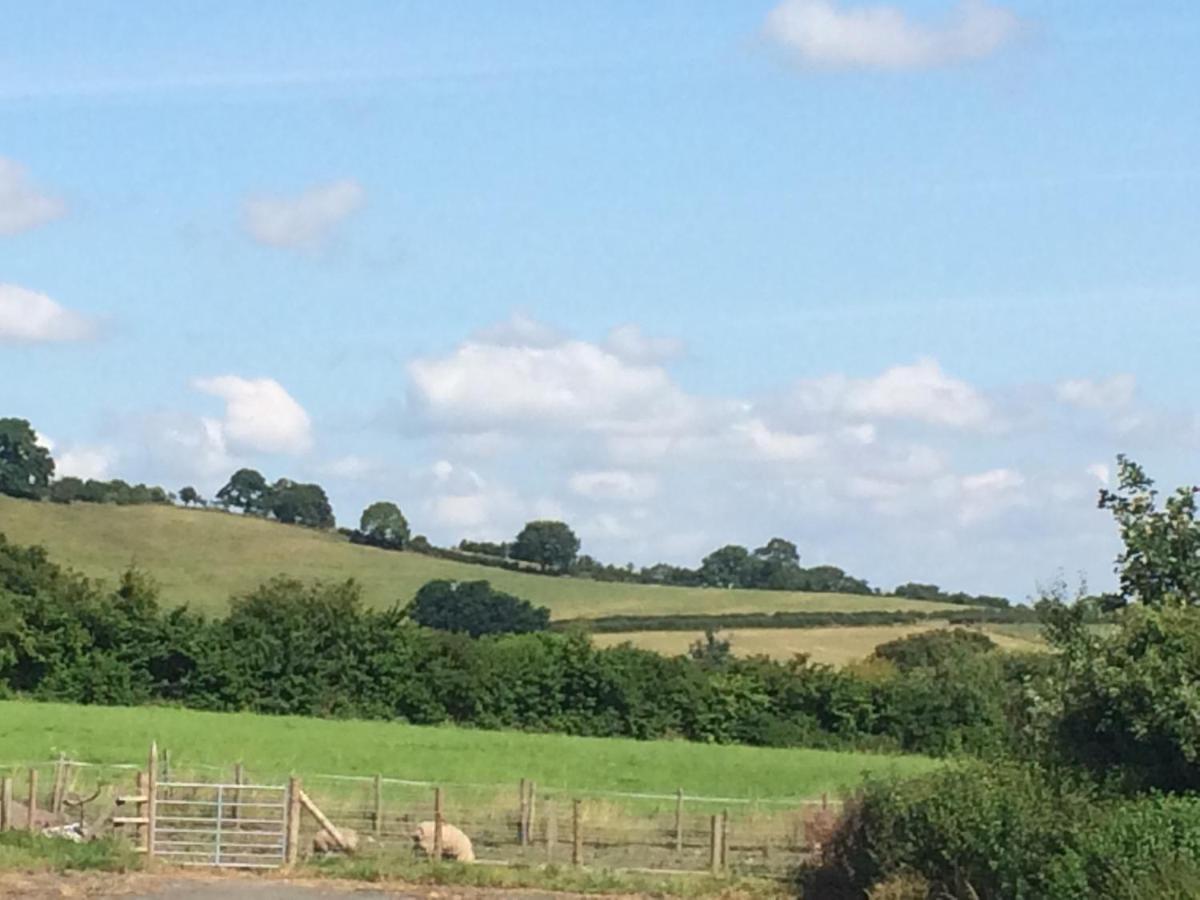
894, 280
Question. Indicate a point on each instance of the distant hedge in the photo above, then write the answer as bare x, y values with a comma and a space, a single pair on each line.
830, 619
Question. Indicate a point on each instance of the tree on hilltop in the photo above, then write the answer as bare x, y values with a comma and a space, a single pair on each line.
247, 490
26, 467
553, 545
383, 525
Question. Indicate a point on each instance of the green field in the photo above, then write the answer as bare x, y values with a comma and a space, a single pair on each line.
835, 646
201, 558
274, 746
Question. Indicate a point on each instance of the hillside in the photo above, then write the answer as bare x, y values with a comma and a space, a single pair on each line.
201, 558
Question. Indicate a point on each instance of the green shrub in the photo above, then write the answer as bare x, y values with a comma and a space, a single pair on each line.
475, 608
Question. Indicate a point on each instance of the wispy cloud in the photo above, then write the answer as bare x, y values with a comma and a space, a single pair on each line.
821, 33
304, 221
32, 318
22, 204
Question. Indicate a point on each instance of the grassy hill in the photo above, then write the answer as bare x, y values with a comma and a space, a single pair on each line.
202, 557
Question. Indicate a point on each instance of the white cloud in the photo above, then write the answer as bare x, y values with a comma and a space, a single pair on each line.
29, 317
822, 33
767, 443
259, 415
302, 222
614, 484
920, 392
1109, 394
86, 462
989, 493
22, 205
1100, 472
632, 344
525, 378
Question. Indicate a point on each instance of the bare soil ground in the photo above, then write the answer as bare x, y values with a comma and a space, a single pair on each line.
140, 886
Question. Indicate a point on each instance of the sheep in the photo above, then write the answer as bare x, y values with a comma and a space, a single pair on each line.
455, 844
323, 841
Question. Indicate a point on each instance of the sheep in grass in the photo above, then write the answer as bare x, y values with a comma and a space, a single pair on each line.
325, 844
455, 844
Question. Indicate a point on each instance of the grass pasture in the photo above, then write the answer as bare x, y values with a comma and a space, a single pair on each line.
203, 557
833, 646
274, 746
626, 788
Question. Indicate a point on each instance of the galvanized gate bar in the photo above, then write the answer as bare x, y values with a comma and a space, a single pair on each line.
201, 824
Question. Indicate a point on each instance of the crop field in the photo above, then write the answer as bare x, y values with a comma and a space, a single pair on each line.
832, 646
201, 558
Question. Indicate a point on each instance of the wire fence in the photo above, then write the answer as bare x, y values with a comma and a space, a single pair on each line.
522, 823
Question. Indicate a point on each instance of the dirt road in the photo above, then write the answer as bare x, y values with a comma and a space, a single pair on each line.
231, 887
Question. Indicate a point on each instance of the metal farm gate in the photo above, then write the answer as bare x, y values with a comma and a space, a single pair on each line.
229, 825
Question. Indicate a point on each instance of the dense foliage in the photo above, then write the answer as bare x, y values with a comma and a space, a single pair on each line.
74, 490
25, 465
475, 608
314, 649
287, 501
797, 619
1007, 832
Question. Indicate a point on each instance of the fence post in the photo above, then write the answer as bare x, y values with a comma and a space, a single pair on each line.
239, 778
577, 833
151, 800
60, 784
551, 830
166, 764
139, 808
377, 818
292, 850
679, 821
530, 814
714, 846
724, 840
31, 823
6, 805
522, 816
437, 824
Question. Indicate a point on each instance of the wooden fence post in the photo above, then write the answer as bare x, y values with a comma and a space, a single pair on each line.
714, 846
724, 840
139, 809
577, 833
530, 813
377, 818
60, 784
522, 816
166, 764
437, 824
31, 823
151, 800
6, 803
239, 778
551, 830
679, 821
292, 849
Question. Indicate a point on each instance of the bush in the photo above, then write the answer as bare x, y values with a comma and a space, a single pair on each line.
475, 608
1010, 831
934, 648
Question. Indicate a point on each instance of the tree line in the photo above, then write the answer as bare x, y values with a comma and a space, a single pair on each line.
314, 649
542, 546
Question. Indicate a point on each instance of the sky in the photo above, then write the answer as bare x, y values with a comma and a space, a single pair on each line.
897, 281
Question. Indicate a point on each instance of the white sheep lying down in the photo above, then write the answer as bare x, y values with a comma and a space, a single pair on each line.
455, 844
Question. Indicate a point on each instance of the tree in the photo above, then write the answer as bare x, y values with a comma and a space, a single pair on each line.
730, 566
188, 496
476, 608
299, 504
711, 651
383, 525
26, 467
780, 552
246, 490
1160, 563
552, 545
